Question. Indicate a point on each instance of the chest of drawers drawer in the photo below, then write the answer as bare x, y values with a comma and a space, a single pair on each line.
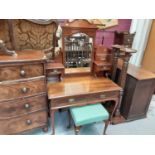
21, 71
26, 122
20, 107
76, 100
21, 88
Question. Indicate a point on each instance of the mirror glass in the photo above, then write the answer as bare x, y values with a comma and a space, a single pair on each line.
78, 51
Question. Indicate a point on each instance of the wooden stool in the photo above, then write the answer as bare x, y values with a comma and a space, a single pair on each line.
89, 114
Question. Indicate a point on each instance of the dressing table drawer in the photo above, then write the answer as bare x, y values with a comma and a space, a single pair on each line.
76, 100
26, 122
102, 68
22, 88
21, 71
22, 106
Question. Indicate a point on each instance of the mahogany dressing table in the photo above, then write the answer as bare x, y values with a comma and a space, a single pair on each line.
80, 91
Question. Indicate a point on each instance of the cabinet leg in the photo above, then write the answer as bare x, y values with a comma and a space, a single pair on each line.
53, 121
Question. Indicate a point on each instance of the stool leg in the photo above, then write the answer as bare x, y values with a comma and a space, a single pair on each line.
106, 126
69, 120
77, 129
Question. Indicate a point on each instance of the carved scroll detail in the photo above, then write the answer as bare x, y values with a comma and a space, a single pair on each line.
4, 50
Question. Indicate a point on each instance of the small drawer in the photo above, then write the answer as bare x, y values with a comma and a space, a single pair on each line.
54, 72
22, 88
21, 71
20, 124
102, 68
22, 106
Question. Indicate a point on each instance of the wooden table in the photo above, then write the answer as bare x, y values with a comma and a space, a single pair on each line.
79, 91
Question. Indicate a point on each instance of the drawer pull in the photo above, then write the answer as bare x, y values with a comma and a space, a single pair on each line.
55, 70
24, 90
27, 106
22, 73
102, 96
71, 100
28, 122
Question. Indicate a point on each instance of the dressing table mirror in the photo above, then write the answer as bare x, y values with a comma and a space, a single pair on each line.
78, 38
78, 52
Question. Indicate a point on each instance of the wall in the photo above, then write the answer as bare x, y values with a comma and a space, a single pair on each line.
123, 25
148, 61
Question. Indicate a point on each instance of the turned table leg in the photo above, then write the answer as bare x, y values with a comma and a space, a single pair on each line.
117, 111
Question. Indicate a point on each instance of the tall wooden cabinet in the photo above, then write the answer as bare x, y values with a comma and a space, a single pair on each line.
23, 100
139, 88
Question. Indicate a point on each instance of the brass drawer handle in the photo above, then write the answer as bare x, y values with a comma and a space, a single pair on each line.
22, 73
102, 96
27, 106
28, 122
71, 100
24, 90
55, 70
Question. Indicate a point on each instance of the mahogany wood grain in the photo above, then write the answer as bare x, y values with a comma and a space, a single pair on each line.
80, 91
24, 56
21, 71
23, 97
20, 124
139, 88
80, 86
137, 72
22, 88
80, 100
103, 61
22, 106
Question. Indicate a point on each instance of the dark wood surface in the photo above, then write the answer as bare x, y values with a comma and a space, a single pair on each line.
123, 38
23, 123
137, 72
21, 71
22, 106
80, 86
102, 61
79, 91
23, 97
139, 88
22, 88
24, 56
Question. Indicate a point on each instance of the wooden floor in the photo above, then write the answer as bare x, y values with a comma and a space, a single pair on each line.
80, 85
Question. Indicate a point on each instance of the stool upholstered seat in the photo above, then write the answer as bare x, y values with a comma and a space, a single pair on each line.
89, 114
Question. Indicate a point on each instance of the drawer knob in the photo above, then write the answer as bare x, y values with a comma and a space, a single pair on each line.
71, 100
24, 90
27, 106
22, 73
102, 96
28, 122
55, 71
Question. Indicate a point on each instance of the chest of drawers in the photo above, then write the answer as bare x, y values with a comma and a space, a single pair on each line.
23, 99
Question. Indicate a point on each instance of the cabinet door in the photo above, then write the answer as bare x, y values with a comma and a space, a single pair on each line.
141, 99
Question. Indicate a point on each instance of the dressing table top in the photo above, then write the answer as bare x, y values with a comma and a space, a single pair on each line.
72, 86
